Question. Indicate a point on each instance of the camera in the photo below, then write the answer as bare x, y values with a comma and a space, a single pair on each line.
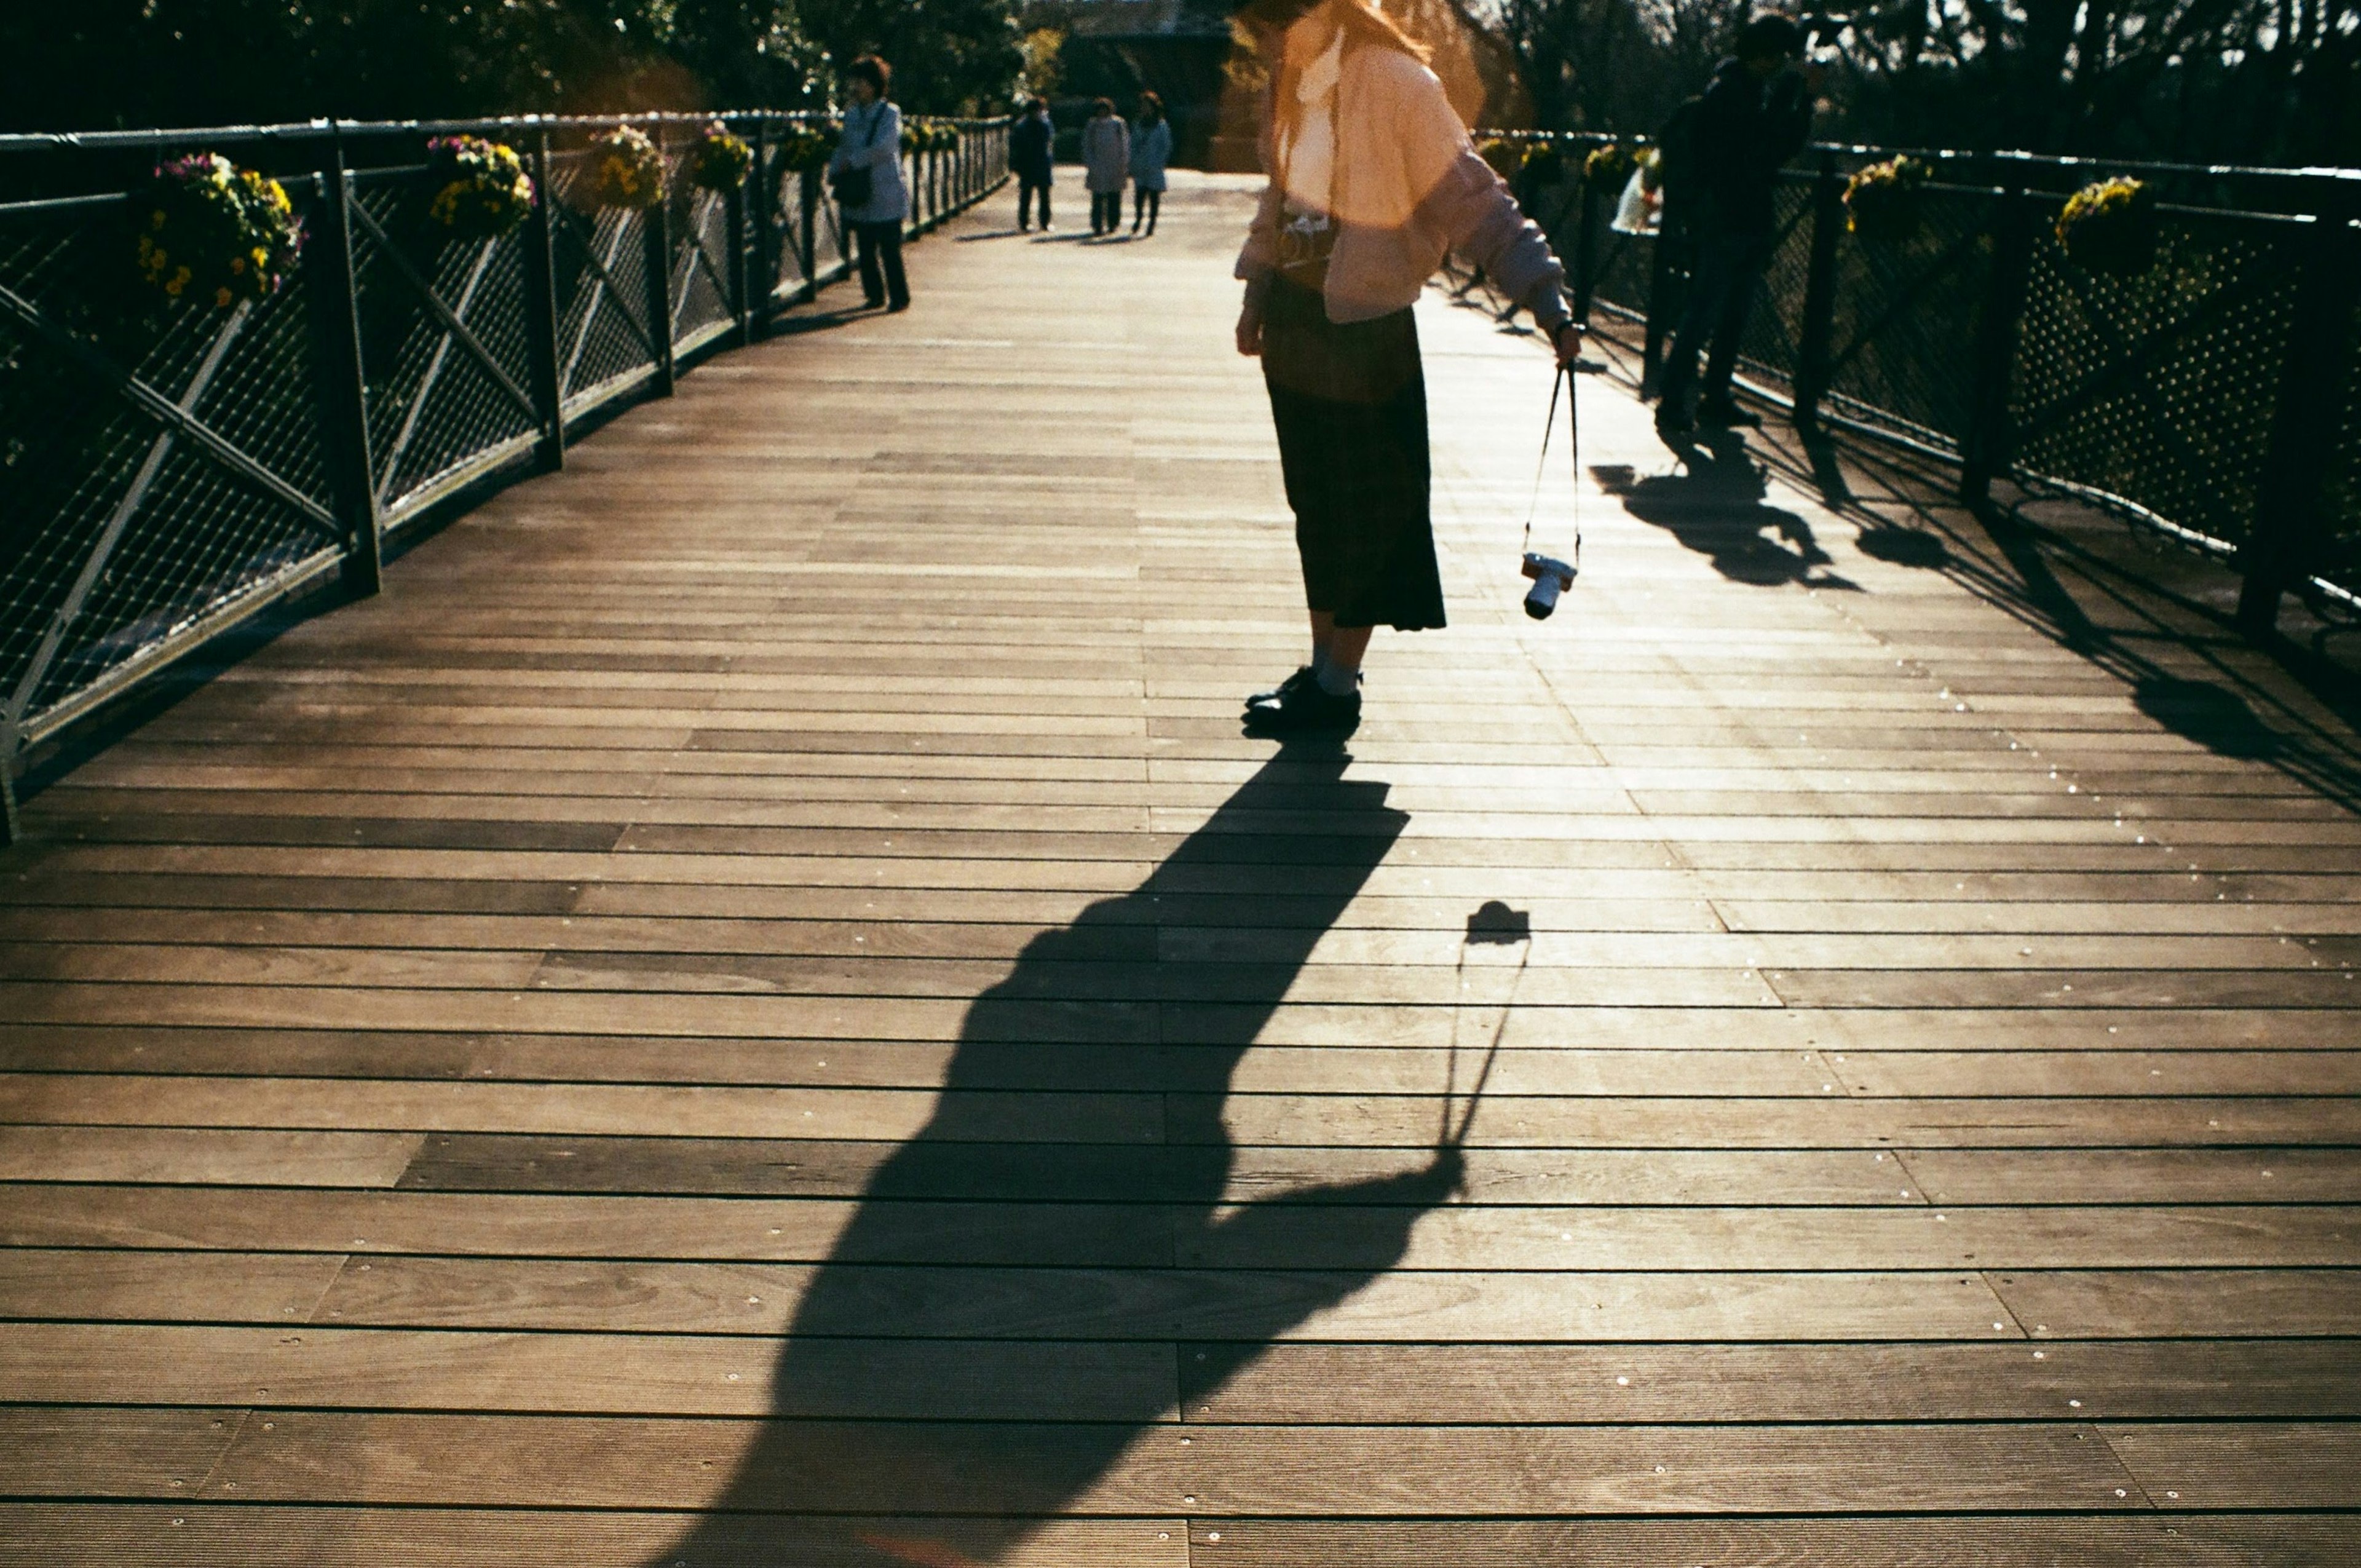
1551, 577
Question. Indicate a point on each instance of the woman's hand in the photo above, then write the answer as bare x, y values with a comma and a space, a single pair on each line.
1569, 343
1250, 332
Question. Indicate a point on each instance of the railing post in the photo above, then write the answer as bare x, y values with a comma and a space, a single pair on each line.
655, 246
740, 293
340, 391
762, 223
1991, 439
541, 312
2290, 517
1586, 246
1813, 348
807, 198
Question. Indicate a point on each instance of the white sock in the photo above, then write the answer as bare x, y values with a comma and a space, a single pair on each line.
1338, 681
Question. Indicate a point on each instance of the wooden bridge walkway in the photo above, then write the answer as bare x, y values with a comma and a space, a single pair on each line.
755, 1008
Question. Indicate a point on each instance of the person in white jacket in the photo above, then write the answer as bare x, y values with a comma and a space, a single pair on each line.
1151, 150
1106, 160
1373, 179
870, 154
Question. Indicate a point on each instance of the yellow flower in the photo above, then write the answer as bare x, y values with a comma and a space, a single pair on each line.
261, 257
156, 219
173, 286
221, 297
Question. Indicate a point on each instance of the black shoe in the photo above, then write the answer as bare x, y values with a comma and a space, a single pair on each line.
1725, 413
1304, 676
897, 307
872, 304
1309, 709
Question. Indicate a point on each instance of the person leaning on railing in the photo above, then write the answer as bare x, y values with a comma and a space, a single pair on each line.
1722, 154
1373, 179
871, 152
1030, 158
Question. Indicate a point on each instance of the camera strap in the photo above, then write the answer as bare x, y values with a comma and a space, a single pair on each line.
1562, 380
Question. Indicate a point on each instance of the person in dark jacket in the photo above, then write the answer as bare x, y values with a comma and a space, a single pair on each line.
1029, 143
1755, 116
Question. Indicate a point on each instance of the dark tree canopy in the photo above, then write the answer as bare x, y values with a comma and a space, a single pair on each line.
2254, 80
89, 64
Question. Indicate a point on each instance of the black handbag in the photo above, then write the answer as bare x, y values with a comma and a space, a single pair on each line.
855, 186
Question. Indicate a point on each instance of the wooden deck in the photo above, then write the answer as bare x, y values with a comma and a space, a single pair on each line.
756, 1009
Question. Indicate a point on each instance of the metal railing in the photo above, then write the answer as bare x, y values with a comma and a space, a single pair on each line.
167, 475
2215, 400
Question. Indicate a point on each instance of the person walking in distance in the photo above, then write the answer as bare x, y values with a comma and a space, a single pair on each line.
1724, 150
1106, 160
1373, 178
866, 173
1029, 159
1151, 150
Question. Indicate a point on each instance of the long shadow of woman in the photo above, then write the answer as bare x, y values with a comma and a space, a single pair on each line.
1005, 1310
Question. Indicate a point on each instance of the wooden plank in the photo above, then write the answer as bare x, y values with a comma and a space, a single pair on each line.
213, 1535
1377, 1385
2168, 1303
581, 1461
901, 1379
234, 1156
1039, 1302
2001, 1542
2268, 1466
104, 1283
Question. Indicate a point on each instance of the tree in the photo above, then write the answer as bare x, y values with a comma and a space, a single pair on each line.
948, 56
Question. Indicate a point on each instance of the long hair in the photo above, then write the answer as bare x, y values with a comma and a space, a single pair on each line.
1366, 19
1365, 22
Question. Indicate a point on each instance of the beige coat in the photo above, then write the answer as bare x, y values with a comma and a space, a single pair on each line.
1406, 187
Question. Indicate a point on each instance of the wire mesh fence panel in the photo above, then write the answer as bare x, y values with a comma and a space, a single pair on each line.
835, 247
700, 263
125, 527
790, 221
600, 272
2340, 554
1906, 309
2159, 390
444, 351
1768, 347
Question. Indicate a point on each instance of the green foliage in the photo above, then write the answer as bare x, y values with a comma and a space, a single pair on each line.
1882, 201
1542, 164
626, 169
1505, 157
2110, 229
721, 161
209, 230
949, 57
1043, 69
98, 64
482, 190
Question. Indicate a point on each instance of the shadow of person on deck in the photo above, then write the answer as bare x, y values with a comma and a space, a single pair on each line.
1715, 506
1007, 1306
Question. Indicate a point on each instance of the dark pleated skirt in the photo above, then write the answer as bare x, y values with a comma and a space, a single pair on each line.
1350, 405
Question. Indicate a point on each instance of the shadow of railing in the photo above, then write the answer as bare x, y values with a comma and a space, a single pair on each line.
1004, 1311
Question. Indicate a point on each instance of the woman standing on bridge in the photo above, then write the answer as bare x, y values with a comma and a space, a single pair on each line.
866, 172
1106, 163
1373, 179
1151, 150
